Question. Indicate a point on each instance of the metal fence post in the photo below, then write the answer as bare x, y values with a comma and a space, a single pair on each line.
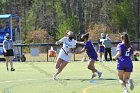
47, 54
74, 55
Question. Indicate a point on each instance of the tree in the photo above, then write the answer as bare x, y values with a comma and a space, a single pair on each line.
57, 16
123, 18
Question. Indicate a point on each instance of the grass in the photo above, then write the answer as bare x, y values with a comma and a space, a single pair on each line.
35, 77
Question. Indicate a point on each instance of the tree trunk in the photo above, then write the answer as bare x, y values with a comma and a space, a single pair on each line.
138, 21
67, 8
81, 17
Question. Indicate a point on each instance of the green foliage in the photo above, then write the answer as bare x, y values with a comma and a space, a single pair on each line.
123, 17
59, 10
68, 24
2, 6
58, 16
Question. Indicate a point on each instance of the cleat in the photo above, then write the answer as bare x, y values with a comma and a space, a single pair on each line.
131, 84
12, 69
126, 91
99, 74
53, 77
94, 75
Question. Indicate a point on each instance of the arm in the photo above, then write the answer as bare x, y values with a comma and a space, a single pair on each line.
4, 47
103, 43
80, 51
12, 43
117, 55
60, 41
81, 43
100, 42
132, 53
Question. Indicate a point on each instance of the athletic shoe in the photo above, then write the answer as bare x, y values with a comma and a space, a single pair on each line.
126, 90
131, 84
7, 69
12, 69
53, 77
99, 74
94, 75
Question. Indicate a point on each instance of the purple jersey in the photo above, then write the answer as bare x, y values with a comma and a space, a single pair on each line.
124, 61
90, 50
125, 54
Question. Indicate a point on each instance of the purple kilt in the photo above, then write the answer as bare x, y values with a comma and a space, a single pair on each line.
101, 49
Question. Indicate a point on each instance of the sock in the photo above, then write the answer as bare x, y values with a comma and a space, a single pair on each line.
97, 72
125, 88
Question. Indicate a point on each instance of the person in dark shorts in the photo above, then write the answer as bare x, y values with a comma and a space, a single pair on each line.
90, 51
101, 48
125, 65
8, 51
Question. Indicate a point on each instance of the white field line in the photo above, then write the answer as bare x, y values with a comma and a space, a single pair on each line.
13, 81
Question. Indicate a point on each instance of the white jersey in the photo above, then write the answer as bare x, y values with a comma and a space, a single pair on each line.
7, 44
67, 45
65, 53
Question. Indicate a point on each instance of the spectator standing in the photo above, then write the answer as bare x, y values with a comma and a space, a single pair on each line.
107, 45
8, 51
101, 49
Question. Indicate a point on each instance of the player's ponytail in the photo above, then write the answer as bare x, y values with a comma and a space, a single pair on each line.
84, 36
125, 38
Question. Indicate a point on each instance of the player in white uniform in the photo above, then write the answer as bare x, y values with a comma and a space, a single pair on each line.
65, 53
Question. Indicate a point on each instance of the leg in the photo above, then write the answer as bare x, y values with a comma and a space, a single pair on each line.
61, 65
105, 54
92, 68
121, 74
128, 80
11, 63
59, 62
126, 76
110, 55
121, 80
100, 56
7, 60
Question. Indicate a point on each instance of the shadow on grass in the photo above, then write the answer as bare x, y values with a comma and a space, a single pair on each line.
88, 79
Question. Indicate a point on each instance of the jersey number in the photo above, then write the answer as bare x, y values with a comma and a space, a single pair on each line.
127, 53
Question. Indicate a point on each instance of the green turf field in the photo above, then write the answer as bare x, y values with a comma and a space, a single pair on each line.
35, 77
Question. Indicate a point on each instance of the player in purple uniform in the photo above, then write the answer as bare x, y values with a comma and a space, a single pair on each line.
89, 48
125, 65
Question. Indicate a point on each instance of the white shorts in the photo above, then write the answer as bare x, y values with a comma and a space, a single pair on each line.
64, 56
